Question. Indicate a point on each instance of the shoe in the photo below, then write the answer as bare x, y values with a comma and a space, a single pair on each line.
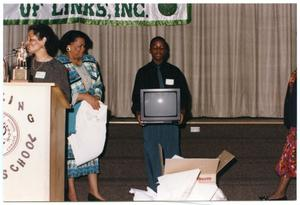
266, 198
91, 197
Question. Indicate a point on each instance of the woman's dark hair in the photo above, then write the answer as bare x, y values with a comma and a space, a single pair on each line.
52, 42
71, 36
167, 48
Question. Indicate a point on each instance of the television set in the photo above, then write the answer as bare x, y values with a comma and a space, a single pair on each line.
160, 105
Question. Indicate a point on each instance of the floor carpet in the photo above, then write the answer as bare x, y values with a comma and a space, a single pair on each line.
257, 148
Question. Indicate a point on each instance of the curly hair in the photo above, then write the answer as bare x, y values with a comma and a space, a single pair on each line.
52, 42
71, 36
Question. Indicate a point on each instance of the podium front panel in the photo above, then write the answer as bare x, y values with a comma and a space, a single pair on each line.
26, 141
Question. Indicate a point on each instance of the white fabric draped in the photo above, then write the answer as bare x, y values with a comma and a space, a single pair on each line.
237, 58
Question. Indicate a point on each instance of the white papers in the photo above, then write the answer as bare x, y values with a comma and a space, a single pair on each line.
141, 195
181, 186
88, 141
203, 191
219, 196
176, 186
177, 157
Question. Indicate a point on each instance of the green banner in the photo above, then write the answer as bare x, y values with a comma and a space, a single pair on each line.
102, 14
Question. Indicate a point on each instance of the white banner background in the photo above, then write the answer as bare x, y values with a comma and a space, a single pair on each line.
119, 14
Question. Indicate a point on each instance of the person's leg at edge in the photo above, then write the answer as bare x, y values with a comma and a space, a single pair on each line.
281, 188
71, 189
93, 186
285, 168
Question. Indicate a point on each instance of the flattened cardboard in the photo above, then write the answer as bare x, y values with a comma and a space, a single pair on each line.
225, 157
209, 166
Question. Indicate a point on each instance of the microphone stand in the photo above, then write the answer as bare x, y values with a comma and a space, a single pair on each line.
6, 73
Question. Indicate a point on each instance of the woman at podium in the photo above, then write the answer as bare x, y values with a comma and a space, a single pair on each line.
86, 84
42, 43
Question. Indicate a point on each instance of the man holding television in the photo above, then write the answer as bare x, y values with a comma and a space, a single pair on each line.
159, 74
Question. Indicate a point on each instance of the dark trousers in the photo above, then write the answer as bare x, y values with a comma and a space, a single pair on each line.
168, 137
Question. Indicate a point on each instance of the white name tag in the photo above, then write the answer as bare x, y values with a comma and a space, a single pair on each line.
169, 81
40, 74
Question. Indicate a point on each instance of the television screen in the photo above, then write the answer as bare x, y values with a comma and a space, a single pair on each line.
160, 105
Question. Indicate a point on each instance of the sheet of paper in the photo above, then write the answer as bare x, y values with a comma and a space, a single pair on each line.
89, 140
176, 186
141, 195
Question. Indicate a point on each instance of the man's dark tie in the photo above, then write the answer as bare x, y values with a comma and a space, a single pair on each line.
160, 79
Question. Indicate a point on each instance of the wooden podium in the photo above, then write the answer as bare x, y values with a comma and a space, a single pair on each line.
33, 142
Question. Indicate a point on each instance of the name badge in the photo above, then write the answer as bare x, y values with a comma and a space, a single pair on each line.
40, 74
169, 81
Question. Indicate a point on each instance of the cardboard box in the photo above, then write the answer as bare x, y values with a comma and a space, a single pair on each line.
181, 180
209, 167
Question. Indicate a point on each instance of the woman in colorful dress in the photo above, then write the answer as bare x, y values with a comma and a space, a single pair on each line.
86, 84
286, 166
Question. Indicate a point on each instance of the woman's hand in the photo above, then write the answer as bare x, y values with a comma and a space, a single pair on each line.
92, 100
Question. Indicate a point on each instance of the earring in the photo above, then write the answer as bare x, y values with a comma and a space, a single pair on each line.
68, 49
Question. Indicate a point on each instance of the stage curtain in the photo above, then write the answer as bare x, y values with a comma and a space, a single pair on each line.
236, 58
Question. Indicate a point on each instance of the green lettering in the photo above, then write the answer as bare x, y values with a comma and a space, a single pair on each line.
136, 11
117, 10
76, 8
66, 9
126, 8
55, 12
25, 11
35, 8
88, 10
101, 10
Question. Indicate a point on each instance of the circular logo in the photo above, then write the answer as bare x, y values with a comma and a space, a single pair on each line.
11, 133
167, 9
